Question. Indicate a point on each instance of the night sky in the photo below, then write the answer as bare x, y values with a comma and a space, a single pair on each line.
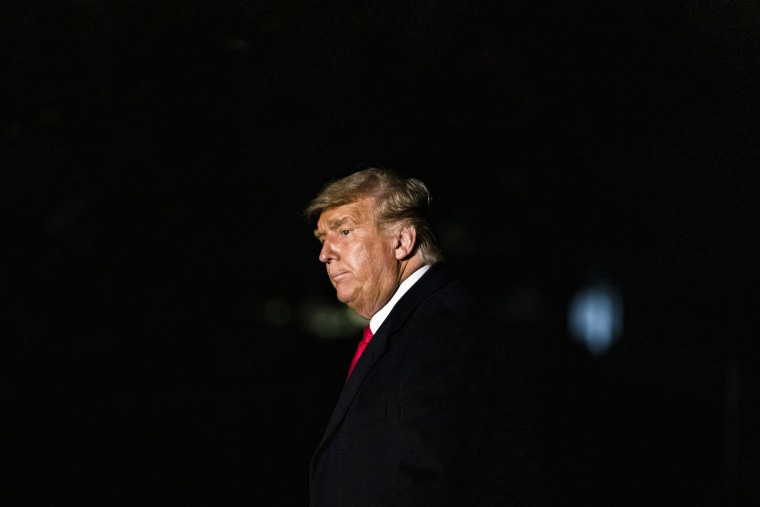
160, 292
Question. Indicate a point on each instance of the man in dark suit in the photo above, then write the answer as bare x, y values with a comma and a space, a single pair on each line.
418, 421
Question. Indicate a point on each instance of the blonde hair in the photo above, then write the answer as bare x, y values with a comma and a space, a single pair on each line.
399, 200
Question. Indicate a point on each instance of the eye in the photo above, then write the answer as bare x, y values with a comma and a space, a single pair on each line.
345, 232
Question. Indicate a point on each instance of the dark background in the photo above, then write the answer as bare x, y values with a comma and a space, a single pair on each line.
159, 290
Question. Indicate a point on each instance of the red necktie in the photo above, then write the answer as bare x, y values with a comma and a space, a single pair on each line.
360, 348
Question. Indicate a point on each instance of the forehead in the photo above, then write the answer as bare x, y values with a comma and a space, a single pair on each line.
358, 212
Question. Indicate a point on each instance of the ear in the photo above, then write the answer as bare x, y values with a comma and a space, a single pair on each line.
406, 241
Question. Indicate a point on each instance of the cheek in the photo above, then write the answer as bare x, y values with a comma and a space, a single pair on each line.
357, 254
382, 254
362, 261
368, 258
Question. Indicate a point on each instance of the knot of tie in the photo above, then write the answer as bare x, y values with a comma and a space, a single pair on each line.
367, 335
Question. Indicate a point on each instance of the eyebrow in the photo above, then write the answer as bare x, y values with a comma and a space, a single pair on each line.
333, 224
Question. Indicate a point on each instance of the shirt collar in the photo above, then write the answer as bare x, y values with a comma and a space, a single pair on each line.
379, 317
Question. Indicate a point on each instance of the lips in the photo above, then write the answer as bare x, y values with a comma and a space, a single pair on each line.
337, 276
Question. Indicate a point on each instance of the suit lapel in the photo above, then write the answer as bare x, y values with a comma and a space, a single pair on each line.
371, 355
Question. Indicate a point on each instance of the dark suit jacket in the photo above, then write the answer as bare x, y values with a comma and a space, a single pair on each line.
414, 419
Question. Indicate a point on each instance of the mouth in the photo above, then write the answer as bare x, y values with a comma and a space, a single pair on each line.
337, 276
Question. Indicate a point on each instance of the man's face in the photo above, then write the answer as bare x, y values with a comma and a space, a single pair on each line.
360, 258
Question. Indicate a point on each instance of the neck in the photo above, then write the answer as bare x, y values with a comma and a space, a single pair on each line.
409, 266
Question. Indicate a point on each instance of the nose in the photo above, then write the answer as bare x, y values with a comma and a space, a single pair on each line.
326, 253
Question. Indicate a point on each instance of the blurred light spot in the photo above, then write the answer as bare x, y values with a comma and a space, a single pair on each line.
331, 322
595, 316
